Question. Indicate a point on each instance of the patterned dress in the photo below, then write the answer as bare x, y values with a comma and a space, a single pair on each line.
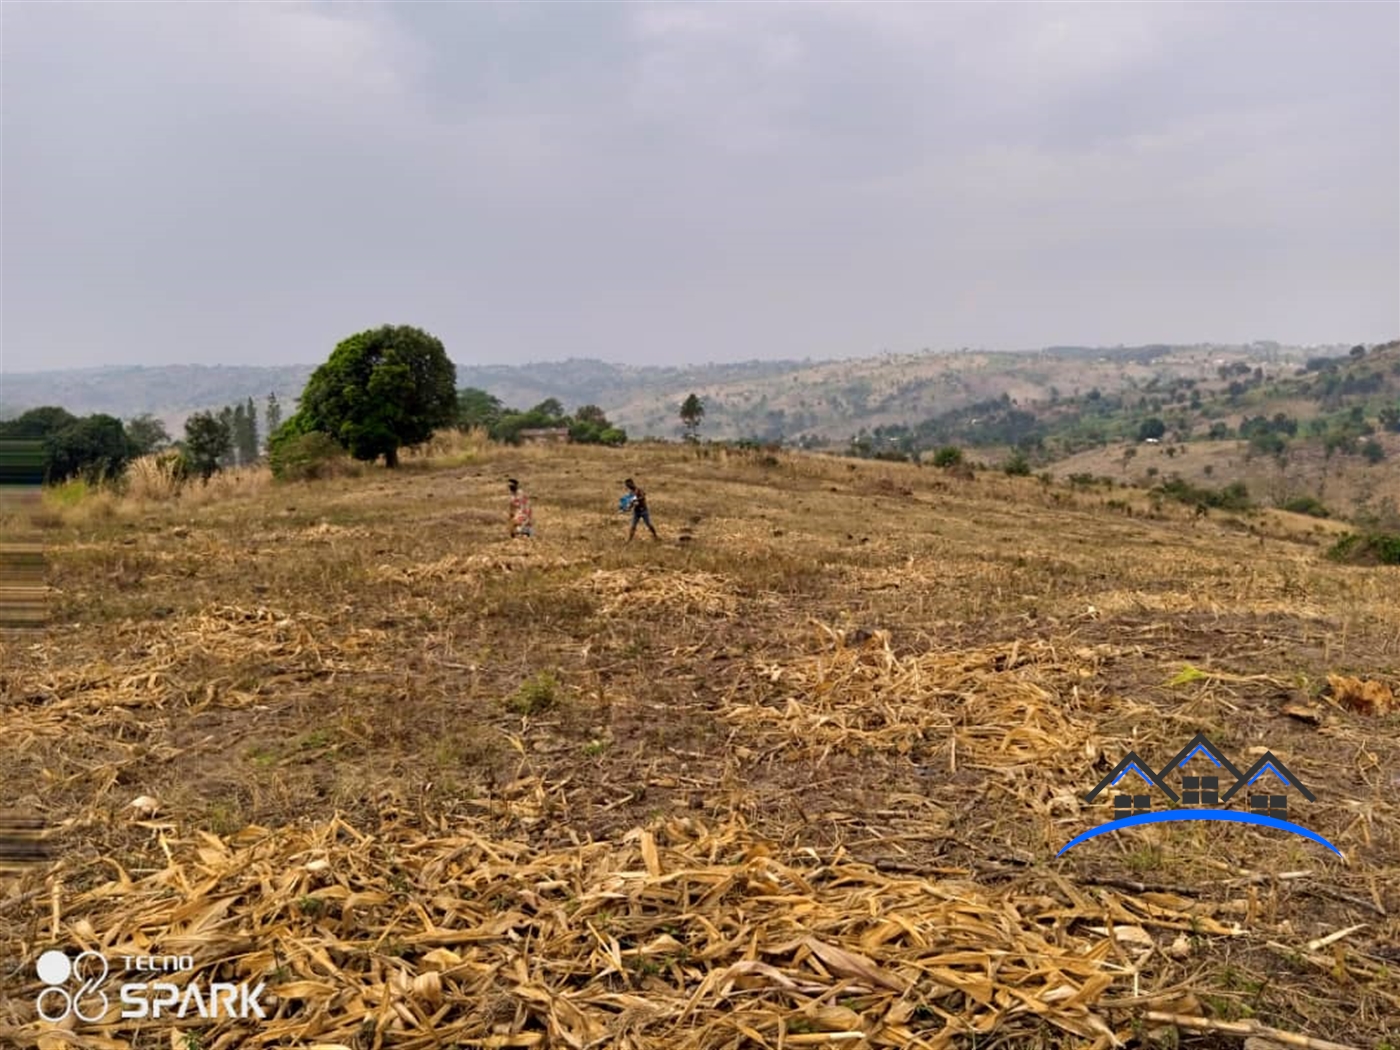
522, 517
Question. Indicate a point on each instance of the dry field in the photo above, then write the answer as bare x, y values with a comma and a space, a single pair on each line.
798, 779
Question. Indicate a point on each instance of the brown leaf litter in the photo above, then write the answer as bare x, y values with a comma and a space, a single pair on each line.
1366, 697
683, 936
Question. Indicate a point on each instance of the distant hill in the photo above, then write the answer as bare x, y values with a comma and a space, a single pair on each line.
809, 401
1323, 435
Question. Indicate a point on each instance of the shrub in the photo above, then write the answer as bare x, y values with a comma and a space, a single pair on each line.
305, 457
536, 695
1234, 496
1306, 505
1372, 451
948, 456
1374, 548
1017, 466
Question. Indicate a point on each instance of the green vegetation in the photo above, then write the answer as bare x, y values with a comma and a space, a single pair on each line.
692, 412
1372, 548
1234, 496
589, 425
92, 448
296, 456
381, 390
536, 695
1017, 465
208, 439
1306, 505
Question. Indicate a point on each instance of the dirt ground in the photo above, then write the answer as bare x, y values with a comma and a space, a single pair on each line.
847, 671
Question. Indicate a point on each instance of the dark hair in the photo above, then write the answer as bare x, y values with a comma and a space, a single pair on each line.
630, 483
513, 483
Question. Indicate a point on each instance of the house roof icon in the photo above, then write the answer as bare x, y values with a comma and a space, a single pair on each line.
1131, 763
1200, 744
1268, 762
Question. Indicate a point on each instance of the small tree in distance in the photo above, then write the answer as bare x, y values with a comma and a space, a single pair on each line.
207, 441
273, 415
692, 412
146, 434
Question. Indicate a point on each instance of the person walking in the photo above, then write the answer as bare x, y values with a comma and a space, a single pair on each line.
522, 516
640, 512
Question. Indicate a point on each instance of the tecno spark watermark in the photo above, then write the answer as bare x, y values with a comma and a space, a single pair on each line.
77, 987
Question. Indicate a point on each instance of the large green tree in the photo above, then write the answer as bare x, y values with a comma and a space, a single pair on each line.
37, 423
94, 447
381, 390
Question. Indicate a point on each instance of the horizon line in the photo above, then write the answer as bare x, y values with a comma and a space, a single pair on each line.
866, 356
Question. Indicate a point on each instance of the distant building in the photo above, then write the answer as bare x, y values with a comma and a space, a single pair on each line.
545, 436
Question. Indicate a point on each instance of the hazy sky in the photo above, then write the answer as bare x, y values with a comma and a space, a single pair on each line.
666, 183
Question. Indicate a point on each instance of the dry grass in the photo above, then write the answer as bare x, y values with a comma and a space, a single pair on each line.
797, 780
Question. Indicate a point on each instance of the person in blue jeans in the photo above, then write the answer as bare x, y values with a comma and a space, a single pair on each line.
639, 510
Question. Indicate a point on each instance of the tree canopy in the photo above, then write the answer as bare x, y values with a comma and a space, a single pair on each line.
91, 447
692, 412
381, 390
208, 440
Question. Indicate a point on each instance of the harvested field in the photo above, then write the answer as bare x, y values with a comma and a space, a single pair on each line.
801, 780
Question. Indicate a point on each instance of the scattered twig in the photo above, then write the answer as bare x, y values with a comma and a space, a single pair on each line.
1332, 938
1345, 898
1246, 1028
1131, 886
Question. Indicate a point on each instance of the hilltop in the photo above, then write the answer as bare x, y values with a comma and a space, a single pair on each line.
804, 767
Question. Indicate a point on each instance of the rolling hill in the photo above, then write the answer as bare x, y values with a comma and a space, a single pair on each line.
824, 401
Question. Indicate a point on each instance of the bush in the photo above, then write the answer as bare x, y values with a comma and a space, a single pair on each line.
1234, 496
1017, 466
1374, 548
1306, 505
536, 695
1372, 451
304, 457
948, 456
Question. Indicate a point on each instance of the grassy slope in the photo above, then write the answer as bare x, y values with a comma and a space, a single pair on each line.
278, 655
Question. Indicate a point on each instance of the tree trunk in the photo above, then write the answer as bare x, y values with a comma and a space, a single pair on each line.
391, 458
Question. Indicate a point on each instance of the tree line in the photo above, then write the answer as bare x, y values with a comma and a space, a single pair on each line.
380, 390
99, 446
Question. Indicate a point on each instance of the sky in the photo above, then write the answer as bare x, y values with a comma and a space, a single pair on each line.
678, 183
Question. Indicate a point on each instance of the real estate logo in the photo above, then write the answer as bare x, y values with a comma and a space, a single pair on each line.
1202, 797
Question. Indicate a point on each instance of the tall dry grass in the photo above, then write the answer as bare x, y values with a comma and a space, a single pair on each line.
447, 448
148, 484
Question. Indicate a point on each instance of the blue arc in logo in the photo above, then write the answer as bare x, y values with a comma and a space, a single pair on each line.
1226, 815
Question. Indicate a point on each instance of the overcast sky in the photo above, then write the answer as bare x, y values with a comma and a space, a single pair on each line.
676, 183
